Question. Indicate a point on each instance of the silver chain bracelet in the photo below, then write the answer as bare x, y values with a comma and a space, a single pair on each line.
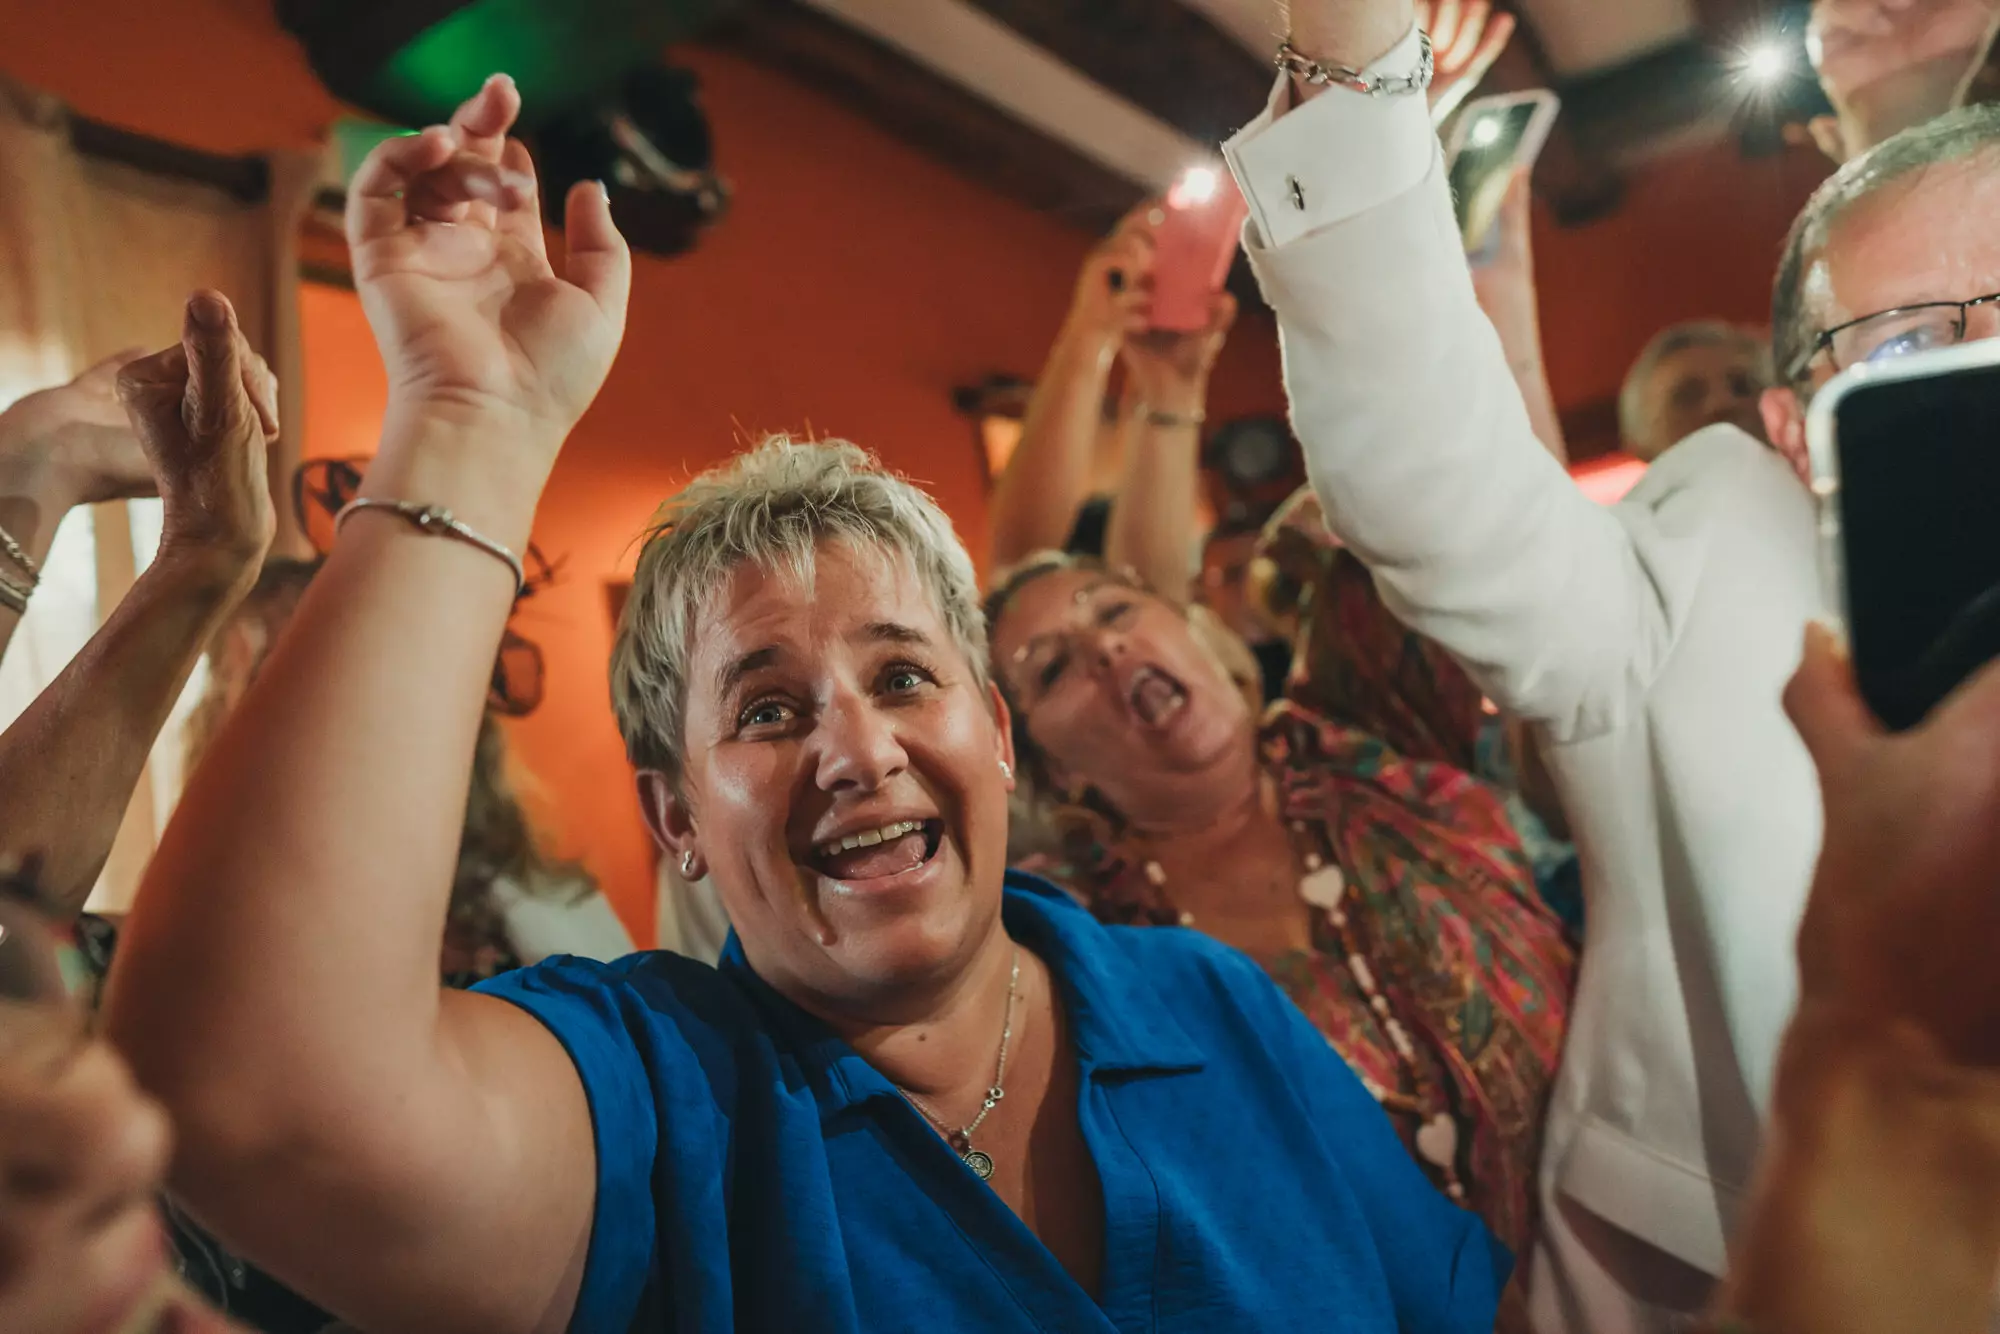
437, 521
1301, 66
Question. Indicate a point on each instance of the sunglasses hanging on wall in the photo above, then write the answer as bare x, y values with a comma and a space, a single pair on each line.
321, 488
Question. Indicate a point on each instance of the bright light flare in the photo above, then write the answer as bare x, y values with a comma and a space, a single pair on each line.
1486, 133
1197, 186
1767, 63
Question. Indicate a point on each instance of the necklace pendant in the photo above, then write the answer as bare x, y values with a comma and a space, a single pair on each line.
981, 1164
1322, 887
1437, 1141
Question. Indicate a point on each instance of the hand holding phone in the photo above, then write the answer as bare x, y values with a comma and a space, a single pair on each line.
1905, 465
1193, 248
1496, 138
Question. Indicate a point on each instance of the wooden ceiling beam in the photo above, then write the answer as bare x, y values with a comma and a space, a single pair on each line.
927, 111
1164, 58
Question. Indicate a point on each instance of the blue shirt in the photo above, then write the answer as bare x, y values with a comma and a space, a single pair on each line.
755, 1173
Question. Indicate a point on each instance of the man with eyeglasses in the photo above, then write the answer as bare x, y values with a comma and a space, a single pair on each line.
1894, 255
1649, 642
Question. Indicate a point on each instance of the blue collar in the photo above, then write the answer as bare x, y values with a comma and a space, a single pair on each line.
1118, 1020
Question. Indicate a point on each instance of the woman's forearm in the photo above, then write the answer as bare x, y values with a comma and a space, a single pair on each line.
299, 895
1048, 478
1153, 526
70, 762
32, 504
1877, 1205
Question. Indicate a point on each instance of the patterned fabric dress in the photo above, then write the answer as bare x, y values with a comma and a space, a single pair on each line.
1370, 754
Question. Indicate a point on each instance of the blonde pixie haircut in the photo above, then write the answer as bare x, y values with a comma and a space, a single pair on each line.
770, 507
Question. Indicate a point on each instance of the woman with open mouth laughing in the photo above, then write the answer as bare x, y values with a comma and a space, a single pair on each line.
917, 1094
1336, 842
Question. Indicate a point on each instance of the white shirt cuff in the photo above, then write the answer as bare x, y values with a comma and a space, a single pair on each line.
1334, 158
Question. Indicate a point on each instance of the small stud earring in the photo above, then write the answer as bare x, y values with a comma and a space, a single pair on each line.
687, 865
1007, 771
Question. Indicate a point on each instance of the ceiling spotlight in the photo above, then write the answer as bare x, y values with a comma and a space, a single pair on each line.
1768, 62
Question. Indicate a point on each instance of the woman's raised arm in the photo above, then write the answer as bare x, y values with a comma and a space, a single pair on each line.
408, 1159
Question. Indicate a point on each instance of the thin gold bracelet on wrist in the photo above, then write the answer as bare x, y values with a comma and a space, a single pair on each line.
1172, 420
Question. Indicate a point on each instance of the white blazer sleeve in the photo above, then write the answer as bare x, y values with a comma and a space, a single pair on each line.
1415, 435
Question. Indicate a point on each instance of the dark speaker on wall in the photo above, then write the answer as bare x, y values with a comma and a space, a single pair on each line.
597, 101
1250, 465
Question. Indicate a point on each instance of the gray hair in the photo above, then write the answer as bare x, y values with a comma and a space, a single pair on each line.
1949, 138
1673, 339
771, 507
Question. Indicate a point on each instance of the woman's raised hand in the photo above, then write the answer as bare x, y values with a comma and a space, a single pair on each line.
1114, 287
450, 259
1467, 36
205, 411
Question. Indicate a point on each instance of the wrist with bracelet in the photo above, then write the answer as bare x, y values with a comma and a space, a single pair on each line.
1166, 419
14, 591
436, 521
1315, 73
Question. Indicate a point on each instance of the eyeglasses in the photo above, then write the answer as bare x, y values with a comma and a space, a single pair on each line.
1893, 333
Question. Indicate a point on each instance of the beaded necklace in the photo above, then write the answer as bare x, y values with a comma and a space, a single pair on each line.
1323, 887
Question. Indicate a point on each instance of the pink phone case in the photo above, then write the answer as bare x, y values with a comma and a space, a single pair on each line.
1193, 249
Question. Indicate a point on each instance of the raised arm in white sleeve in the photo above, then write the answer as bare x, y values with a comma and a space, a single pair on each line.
1415, 434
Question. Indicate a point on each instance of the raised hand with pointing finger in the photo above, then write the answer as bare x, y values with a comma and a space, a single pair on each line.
206, 412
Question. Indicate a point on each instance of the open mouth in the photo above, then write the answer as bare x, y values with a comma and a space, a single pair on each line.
1154, 696
874, 854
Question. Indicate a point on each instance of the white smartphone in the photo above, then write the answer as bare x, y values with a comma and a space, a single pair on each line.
1906, 469
1495, 137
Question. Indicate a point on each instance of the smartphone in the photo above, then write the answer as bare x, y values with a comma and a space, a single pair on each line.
1193, 247
1906, 468
1495, 137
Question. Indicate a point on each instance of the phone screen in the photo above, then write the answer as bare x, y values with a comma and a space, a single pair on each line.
1920, 521
1481, 172
1193, 247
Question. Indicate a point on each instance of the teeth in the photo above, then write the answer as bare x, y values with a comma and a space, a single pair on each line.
868, 838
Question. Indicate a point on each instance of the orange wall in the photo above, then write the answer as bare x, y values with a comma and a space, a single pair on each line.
853, 285
1698, 237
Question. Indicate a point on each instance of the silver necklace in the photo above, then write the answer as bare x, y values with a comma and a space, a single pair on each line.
961, 1140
